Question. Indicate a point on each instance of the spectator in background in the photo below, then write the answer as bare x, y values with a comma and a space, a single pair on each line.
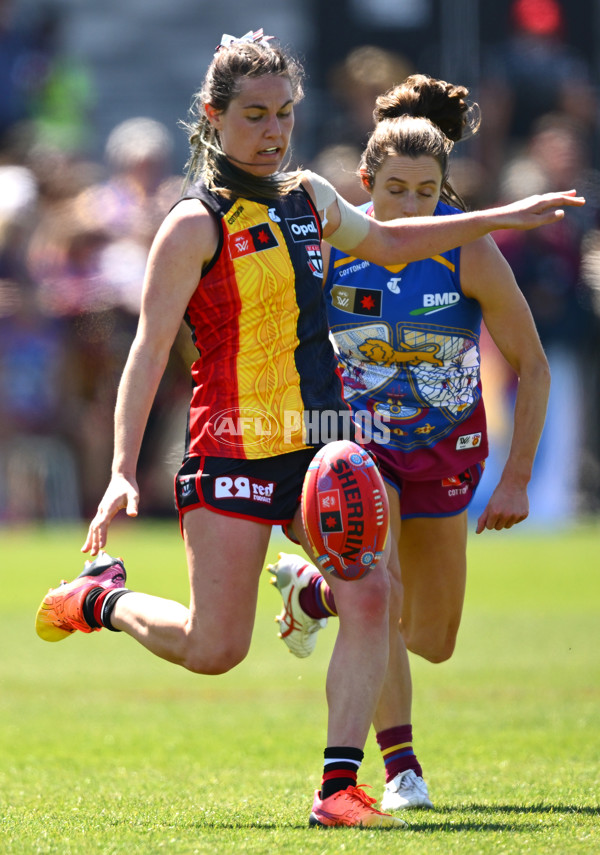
339, 164
38, 469
548, 269
88, 256
353, 86
534, 72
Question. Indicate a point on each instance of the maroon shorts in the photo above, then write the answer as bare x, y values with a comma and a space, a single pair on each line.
267, 490
440, 497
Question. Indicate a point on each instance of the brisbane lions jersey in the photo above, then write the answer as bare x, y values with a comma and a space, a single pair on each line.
408, 343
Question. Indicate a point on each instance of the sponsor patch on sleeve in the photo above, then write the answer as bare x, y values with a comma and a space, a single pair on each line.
468, 440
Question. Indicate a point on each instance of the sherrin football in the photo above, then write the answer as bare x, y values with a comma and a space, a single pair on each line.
345, 510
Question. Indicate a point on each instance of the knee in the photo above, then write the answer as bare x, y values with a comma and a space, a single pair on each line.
214, 661
432, 647
370, 597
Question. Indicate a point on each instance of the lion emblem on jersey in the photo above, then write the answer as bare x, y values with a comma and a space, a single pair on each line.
376, 350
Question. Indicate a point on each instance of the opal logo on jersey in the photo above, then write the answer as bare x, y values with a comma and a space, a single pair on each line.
437, 303
303, 229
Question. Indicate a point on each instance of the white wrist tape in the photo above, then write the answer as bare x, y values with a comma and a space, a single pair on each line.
354, 224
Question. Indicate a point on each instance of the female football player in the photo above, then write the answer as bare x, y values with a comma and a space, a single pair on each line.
407, 337
239, 258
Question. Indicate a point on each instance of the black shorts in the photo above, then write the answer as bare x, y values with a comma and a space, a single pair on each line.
267, 490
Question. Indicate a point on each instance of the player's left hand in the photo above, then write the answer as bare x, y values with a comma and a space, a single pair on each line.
121, 493
508, 505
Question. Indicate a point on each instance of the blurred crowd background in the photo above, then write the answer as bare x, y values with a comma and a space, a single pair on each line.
92, 157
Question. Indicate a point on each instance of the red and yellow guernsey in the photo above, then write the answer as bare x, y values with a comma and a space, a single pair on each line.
259, 322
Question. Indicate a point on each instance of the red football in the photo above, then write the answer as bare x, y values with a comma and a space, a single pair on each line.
345, 510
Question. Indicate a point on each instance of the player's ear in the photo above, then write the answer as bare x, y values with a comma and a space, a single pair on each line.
213, 115
366, 180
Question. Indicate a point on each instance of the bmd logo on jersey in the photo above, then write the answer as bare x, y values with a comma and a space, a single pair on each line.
437, 302
303, 229
254, 239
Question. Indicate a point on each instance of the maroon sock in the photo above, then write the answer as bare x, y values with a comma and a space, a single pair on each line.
398, 755
316, 600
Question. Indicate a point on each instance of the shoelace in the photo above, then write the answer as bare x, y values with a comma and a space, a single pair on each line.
359, 793
410, 783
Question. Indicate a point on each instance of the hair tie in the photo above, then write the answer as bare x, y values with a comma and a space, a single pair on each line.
252, 37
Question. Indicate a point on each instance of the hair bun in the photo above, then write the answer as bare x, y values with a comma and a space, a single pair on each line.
444, 104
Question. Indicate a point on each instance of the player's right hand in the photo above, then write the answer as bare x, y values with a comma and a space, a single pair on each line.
122, 492
540, 210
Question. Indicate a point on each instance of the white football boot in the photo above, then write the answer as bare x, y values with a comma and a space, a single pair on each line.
292, 573
405, 791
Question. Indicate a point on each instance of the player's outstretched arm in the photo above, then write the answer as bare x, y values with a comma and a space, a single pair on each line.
534, 211
415, 238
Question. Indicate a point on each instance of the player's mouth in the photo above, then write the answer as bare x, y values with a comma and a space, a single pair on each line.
271, 152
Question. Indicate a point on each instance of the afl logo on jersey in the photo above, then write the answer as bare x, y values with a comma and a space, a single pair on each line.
254, 239
315, 259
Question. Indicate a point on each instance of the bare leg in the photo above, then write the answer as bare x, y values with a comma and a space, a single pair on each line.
359, 659
395, 702
434, 572
225, 557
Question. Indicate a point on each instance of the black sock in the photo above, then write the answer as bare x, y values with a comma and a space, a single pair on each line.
340, 769
88, 607
108, 606
97, 615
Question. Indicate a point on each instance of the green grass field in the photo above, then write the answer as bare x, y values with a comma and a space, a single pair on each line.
106, 749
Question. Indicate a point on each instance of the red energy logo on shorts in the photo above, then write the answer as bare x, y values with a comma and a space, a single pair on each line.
244, 487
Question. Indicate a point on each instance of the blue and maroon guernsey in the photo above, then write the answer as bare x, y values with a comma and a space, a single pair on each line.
408, 343
259, 321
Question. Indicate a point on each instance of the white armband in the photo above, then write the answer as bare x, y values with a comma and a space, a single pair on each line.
354, 224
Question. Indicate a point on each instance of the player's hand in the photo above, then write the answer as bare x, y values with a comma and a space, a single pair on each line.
508, 505
122, 492
536, 211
